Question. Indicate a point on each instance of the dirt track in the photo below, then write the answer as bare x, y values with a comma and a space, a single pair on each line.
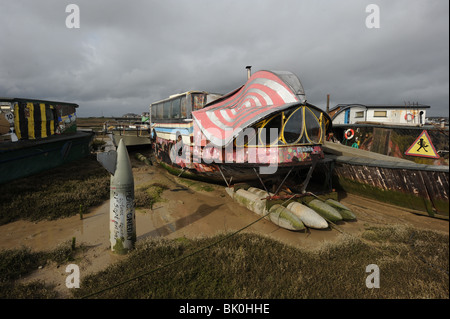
190, 212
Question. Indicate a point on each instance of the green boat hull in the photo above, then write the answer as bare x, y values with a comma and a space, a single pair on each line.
27, 157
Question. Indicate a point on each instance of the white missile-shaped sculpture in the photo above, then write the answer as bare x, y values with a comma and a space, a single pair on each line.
122, 228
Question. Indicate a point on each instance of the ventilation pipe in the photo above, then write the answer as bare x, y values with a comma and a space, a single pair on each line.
328, 103
249, 71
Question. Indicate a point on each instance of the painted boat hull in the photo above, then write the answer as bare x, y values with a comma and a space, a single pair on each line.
236, 170
26, 157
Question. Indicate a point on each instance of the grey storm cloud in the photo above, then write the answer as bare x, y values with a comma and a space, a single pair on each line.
128, 54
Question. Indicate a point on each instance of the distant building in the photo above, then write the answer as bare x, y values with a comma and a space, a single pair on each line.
390, 114
130, 115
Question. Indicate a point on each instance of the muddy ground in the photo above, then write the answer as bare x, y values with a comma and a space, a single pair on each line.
188, 210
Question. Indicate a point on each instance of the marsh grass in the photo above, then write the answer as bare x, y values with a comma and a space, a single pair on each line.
55, 193
147, 195
254, 266
197, 185
17, 263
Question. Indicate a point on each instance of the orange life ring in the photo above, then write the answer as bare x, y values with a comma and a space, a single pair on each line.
409, 116
349, 134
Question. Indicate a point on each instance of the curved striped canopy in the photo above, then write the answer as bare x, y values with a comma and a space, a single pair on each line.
265, 93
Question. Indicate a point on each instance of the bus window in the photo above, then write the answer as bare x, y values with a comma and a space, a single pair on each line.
183, 107
176, 108
198, 101
166, 109
159, 111
153, 111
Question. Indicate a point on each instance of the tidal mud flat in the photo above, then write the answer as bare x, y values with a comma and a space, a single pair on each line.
189, 214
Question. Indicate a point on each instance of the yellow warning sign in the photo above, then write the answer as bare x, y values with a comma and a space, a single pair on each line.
422, 147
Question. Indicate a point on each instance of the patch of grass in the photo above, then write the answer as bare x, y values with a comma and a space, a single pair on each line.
198, 186
55, 193
146, 196
34, 290
97, 144
17, 263
254, 266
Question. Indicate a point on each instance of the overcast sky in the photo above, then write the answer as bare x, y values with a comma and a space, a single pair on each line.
128, 54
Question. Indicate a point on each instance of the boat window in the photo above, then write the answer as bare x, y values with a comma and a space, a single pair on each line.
183, 107
313, 128
176, 108
266, 135
247, 137
166, 109
294, 126
380, 113
359, 114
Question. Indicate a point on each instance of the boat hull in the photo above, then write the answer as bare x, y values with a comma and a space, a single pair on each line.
26, 157
235, 170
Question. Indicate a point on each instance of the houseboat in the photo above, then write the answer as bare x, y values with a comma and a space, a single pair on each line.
265, 130
389, 130
37, 135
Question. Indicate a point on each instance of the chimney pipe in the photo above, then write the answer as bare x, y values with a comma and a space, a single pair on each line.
249, 71
328, 103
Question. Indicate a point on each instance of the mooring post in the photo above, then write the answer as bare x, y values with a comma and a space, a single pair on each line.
122, 219
122, 214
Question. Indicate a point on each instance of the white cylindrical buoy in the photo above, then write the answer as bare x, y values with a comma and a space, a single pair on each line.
122, 214
308, 216
284, 218
251, 201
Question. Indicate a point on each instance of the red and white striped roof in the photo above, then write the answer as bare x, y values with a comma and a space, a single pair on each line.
265, 93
